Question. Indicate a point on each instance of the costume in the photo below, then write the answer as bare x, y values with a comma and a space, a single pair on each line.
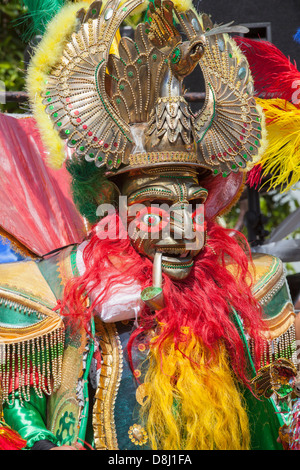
147, 341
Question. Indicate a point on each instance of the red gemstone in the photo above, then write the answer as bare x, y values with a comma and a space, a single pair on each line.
70, 105
95, 139
67, 100
229, 150
78, 120
84, 126
224, 154
241, 137
90, 133
100, 142
219, 155
115, 144
213, 157
76, 112
106, 145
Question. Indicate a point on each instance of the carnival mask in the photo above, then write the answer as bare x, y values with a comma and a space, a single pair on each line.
165, 215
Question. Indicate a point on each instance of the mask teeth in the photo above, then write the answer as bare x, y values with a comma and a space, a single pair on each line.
157, 270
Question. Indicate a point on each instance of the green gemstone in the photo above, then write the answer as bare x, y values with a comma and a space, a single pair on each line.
130, 74
121, 87
154, 57
59, 124
100, 159
81, 148
91, 155
109, 162
245, 156
240, 163
224, 174
49, 99
256, 142
259, 136
175, 56
67, 131
48, 93
94, 11
216, 172
251, 149
230, 55
51, 107
139, 61
118, 161
118, 100
233, 167
55, 114
73, 141
147, 31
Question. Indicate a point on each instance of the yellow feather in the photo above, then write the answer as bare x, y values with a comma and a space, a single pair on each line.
199, 385
183, 5
281, 158
47, 55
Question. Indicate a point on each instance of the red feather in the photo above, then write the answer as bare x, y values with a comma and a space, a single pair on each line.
9, 439
275, 76
254, 177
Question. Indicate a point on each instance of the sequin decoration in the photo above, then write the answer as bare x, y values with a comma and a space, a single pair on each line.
138, 435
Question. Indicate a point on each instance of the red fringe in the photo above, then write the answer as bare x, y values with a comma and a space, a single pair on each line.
275, 76
201, 302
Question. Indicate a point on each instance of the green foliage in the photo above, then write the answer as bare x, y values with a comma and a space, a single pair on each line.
12, 50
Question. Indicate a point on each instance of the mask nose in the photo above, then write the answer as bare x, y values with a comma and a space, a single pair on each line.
181, 222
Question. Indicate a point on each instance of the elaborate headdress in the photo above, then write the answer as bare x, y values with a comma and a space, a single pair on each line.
123, 108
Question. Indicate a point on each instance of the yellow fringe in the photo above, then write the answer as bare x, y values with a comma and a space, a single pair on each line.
281, 158
193, 406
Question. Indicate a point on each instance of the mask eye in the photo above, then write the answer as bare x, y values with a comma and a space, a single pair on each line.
152, 219
198, 219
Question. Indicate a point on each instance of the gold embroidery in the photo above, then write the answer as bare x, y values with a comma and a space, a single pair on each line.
111, 372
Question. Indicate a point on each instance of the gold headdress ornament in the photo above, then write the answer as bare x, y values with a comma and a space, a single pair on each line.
127, 110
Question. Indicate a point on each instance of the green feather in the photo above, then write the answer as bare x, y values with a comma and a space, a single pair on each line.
38, 15
90, 188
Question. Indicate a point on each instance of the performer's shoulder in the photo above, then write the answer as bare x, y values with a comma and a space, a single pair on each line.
38, 281
270, 288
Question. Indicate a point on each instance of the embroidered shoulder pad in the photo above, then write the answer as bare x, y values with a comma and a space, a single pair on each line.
31, 333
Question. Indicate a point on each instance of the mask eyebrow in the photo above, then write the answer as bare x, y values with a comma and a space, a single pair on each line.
158, 192
200, 192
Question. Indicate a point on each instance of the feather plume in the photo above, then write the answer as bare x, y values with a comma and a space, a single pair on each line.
281, 160
275, 76
39, 13
297, 36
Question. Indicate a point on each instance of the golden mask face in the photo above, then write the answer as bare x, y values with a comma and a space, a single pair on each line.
166, 214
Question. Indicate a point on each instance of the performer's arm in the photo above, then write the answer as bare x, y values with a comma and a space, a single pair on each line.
29, 420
